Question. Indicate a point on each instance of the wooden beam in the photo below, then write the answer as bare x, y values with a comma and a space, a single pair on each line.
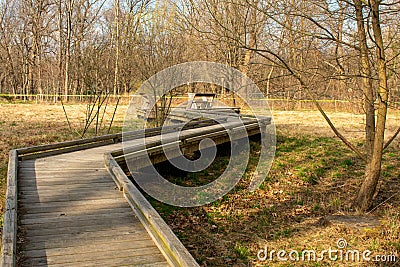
8, 257
41, 148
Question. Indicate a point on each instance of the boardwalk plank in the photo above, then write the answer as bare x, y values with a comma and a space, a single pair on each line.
62, 175
88, 249
110, 189
127, 257
62, 223
77, 206
76, 218
69, 181
133, 232
109, 240
80, 229
44, 188
74, 213
48, 197
64, 200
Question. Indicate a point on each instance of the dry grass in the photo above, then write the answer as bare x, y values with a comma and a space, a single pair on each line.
313, 175
312, 123
23, 125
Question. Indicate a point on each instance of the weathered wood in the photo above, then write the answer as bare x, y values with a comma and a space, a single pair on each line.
9, 238
135, 233
58, 202
142, 261
107, 220
220, 133
27, 190
125, 257
110, 163
165, 239
33, 149
56, 169
155, 148
65, 207
63, 150
28, 176
74, 189
150, 143
75, 212
157, 154
110, 240
66, 197
80, 229
91, 142
167, 130
188, 135
45, 190
86, 249
77, 181
72, 220
152, 150
72, 203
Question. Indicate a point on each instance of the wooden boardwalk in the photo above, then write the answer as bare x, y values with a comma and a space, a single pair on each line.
70, 204
72, 214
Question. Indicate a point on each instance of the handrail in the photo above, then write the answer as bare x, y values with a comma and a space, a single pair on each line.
9, 238
74, 145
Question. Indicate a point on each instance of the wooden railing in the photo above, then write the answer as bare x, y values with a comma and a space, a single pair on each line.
9, 238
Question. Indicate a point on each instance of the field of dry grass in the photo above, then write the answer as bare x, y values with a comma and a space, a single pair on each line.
313, 176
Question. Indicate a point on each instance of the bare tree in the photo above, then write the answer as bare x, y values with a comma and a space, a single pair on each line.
314, 42
69, 12
159, 46
117, 46
367, 15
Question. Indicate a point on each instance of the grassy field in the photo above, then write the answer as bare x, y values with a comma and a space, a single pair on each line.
313, 176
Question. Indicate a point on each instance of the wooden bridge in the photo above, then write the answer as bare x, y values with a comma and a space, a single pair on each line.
71, 204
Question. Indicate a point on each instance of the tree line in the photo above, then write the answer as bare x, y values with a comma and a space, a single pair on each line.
75, 47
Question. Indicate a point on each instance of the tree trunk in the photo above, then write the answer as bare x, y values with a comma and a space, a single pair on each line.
366, 83
58, 90
117, 43
68, 47
373, 169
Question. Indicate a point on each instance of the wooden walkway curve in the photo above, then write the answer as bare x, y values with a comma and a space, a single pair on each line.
65, 207
72, 214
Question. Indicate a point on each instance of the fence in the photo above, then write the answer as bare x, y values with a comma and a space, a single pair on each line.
355, 106
58, 98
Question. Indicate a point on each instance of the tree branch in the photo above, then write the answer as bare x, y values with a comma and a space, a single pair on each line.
308, 91
392, 138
